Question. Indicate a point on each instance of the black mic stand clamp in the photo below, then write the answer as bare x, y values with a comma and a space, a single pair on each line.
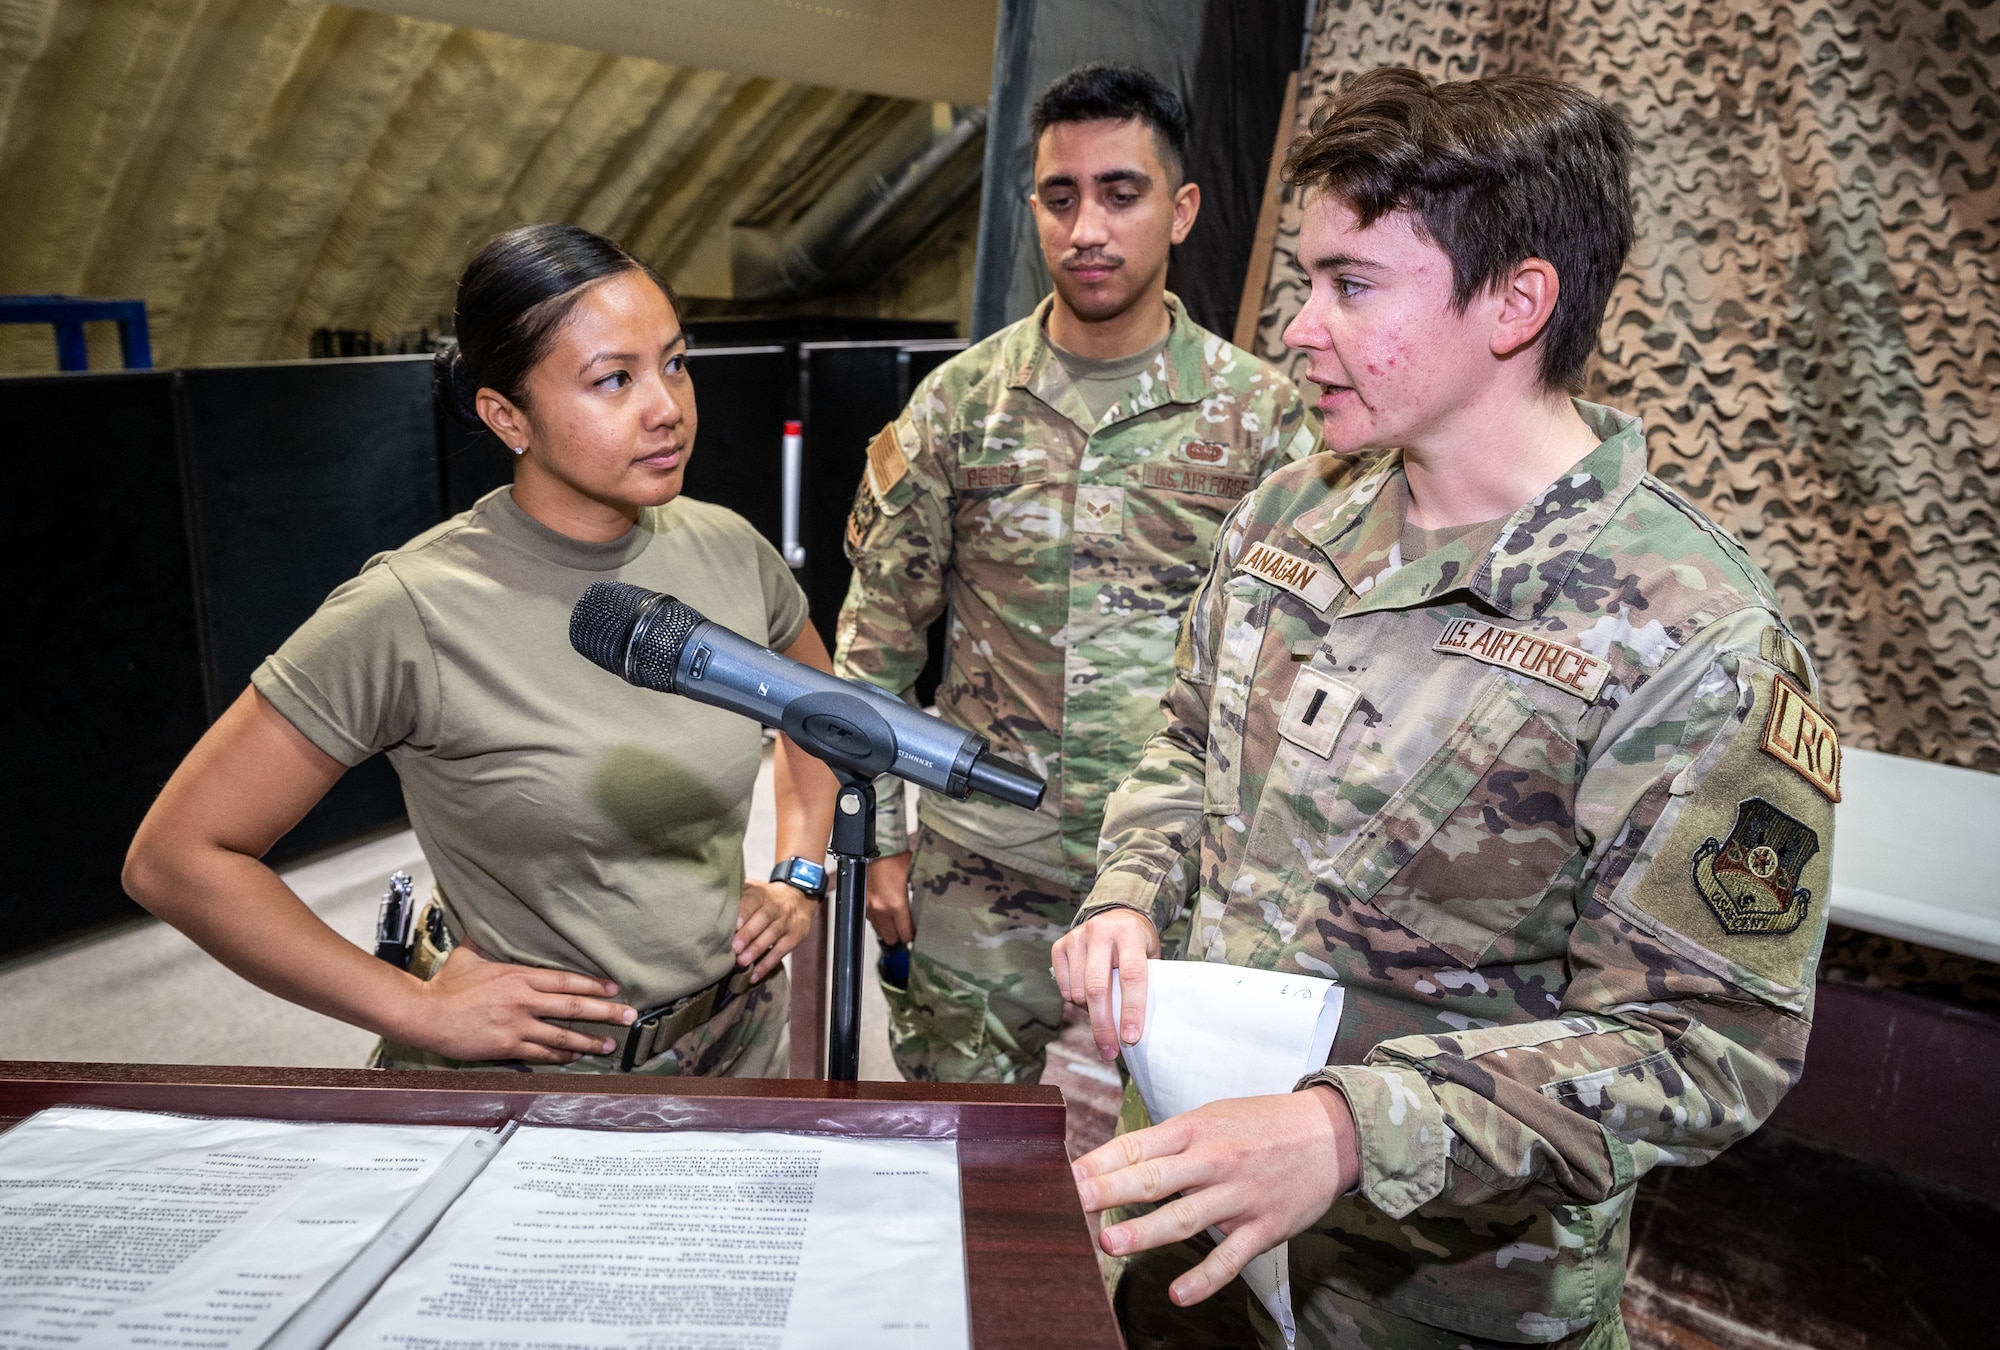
857, 743
852, 847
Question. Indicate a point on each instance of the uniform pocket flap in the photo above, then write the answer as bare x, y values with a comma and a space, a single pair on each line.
1408, 820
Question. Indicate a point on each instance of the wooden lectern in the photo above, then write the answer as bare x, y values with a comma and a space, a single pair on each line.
1031, 1270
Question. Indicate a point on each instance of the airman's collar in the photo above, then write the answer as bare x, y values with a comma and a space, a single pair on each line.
1180, 375
1360, 530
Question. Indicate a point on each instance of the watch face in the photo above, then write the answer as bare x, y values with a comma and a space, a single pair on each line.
807, 876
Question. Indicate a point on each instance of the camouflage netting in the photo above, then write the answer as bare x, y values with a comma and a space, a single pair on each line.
1809, 321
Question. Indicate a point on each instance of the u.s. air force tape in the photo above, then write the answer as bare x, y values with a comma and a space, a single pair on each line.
1308, 581
1570, 669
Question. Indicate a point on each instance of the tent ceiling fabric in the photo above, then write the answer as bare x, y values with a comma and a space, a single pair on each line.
931, 50
259, 169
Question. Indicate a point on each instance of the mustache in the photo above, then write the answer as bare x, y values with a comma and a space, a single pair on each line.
1091, 258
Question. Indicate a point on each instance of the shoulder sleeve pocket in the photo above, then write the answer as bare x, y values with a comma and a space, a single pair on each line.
1733, 873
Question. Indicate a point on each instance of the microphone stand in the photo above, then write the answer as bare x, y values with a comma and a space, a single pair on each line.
657, 642
852, 847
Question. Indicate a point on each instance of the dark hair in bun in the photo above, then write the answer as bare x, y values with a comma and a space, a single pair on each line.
513, 296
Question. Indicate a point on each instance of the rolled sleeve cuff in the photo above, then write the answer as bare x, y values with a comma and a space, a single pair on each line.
892, 822
1403, 1141
287, 690
1122, 890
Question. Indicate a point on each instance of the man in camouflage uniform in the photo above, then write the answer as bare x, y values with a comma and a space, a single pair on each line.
1058, 488
1547, 794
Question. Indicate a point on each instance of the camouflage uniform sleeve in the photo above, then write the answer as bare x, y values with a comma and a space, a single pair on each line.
1692, 961
1150, 846
899, 543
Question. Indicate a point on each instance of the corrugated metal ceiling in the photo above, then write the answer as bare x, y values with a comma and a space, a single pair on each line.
259, 169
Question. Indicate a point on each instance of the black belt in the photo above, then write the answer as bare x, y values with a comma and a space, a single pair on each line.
658, 1028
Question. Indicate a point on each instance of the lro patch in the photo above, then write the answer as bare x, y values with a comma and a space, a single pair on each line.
1798, 734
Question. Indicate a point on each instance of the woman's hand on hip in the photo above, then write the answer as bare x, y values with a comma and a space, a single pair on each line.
771, 919
473, 1008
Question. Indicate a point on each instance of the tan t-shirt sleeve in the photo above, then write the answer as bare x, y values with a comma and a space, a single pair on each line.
784, 600
360, 675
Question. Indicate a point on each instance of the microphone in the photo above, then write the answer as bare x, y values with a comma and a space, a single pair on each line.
657, 642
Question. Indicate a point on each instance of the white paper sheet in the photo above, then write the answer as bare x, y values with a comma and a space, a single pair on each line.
586, 1240
125, 1228
1214, 1031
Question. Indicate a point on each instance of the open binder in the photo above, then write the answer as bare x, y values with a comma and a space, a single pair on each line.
148, 1230
1031, 1273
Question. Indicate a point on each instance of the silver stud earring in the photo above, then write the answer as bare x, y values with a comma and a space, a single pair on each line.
520, 449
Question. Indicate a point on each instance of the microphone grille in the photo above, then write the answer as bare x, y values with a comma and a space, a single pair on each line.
634, 633
657, 642
600, 627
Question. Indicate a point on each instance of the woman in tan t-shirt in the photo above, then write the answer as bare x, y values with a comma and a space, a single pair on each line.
586, 835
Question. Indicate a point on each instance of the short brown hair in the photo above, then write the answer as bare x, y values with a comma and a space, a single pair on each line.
1494, 172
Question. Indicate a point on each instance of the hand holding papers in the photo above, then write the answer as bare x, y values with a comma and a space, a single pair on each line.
1214, 1032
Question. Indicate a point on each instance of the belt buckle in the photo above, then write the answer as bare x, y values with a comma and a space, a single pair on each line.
720, 995
648, 1022
636, 1034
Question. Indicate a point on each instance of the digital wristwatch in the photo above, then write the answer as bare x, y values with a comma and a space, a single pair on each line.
809, 877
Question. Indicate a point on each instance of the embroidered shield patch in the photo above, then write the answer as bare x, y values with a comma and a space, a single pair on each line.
861, 520
1751, 879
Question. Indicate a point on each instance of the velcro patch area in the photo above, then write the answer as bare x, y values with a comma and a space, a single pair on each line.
886, 463
1287, 571
1570, 669
1798, 734
1733, 876
1201, 482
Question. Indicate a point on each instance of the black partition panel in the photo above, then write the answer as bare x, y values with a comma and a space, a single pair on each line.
743, 398
103, 691
850, 391
167, 530
297, 473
